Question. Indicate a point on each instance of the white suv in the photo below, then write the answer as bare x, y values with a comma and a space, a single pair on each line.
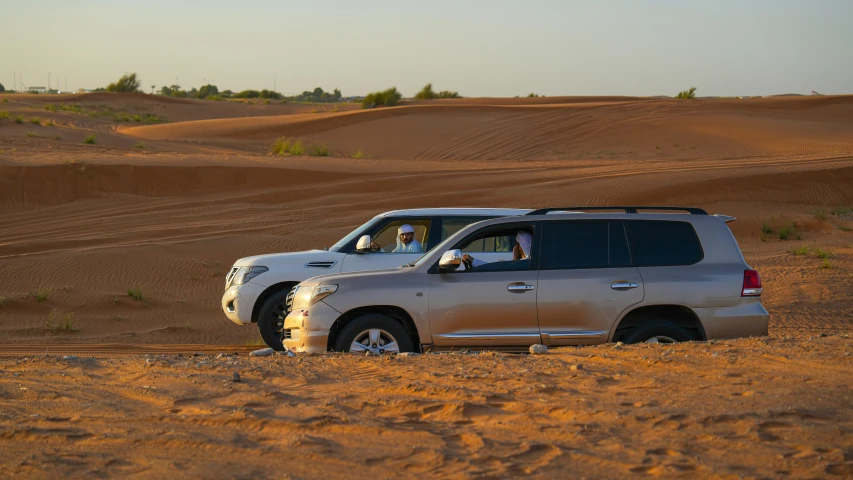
257, 288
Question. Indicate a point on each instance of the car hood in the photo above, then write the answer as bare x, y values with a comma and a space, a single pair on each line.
339, 278
288, 259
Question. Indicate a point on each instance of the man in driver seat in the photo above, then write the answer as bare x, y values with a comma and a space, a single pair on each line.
521, 250
406, 242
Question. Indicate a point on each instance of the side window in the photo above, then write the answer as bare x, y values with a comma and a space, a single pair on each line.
451, 225
575, 245
620, 255
500, 248
389, 241
664, 243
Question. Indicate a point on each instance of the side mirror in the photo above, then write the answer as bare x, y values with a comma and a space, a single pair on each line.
450, 260
363, 245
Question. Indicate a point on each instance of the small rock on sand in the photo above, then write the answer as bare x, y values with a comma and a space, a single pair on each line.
235, 377
264, 352
408, 354
576, 367
538, 349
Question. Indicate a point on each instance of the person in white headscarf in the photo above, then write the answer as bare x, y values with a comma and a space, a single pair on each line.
406, 242
521, 250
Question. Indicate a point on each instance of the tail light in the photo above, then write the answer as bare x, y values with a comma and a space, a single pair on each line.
751, 284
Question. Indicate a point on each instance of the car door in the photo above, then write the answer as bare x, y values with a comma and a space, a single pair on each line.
493, 305
586, 280
386, 236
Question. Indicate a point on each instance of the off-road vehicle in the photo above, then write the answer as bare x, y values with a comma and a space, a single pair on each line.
591, 275
256, 288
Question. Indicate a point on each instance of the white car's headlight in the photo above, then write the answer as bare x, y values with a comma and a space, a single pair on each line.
308, 295
244, 274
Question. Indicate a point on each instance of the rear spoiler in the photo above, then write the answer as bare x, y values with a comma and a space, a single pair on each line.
725, 218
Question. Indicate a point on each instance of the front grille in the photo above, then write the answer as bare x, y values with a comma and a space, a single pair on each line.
288, 302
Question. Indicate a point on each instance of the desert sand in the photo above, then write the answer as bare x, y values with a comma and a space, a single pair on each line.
166, 208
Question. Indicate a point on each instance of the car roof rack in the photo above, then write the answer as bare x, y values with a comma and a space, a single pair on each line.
691, 210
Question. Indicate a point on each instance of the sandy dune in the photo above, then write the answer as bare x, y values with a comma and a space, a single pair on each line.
166, 208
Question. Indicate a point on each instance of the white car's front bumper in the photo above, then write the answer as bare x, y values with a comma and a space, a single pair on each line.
239, 300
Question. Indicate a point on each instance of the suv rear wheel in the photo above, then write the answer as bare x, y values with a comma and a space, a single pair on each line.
271, 319
658, 331
375, 333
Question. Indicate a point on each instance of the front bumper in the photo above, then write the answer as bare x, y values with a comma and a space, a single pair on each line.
307, 330
239, 301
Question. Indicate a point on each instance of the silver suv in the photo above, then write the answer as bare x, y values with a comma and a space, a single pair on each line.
577, 275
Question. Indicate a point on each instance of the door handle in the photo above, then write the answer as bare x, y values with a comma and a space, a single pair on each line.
519, 287
623, 285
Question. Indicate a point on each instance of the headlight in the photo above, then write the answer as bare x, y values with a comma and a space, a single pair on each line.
244, 274
308, 295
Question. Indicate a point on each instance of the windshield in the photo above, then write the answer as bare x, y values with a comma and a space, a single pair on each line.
441, 246
353, 234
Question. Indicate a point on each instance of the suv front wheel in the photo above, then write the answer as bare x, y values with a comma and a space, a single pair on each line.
658, 331
375, 333
271, 319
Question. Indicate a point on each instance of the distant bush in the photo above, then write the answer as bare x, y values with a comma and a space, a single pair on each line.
41, 294
317, 96
532, 95
320, 151
358, 154
207, 91
385, 98
139, 145
35, 121
57, 321
823, 254
19, 120
127, 83
427, 93
4, 115
70, 108
280, 146
248, 94
51, 106
297, 148
687, 94
89, 140
215, 98
135, 293
789, 232
2, 88
270, 94
49, 123
173, 91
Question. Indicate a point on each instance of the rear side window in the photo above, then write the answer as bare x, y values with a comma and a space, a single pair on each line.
571, 245
662, 243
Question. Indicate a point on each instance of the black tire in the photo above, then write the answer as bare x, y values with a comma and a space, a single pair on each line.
271, 319
374, 321
658, 328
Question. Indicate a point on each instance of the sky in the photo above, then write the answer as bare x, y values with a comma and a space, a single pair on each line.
478, 48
